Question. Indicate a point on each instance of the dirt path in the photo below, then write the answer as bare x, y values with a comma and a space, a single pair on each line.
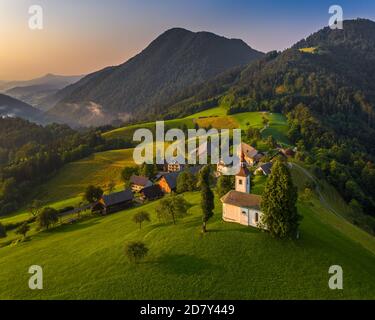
322, 199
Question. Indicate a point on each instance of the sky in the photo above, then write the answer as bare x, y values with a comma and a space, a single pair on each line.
82, 36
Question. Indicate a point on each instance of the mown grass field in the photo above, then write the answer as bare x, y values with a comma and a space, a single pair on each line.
98, 170
218, 122
87, 261
67, 186
216, 118
277, 124
128, 131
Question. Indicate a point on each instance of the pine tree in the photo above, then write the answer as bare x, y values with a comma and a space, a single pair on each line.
280, 216
207, 197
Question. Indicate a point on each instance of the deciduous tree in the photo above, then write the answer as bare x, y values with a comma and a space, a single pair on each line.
136, 251
47, 217
92, 194
172, 208
141, 217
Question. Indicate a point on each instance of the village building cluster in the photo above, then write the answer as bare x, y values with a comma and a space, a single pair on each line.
239, 205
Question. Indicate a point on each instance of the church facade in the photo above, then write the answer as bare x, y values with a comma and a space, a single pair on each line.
239, 205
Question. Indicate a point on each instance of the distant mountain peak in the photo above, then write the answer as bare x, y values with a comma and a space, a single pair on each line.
176, 60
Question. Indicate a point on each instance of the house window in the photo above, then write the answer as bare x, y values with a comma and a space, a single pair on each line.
240, 181
256, 217
244, 213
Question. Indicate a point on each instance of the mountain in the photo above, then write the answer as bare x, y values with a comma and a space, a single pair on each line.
10, 107
39, 92
176, 60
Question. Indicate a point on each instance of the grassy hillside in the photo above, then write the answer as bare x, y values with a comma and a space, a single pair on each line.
216, 118
87, 261
127, 132
98, 169
67, 186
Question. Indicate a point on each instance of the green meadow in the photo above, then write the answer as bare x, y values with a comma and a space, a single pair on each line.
215, 117
87, 261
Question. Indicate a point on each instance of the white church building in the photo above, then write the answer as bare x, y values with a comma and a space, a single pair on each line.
239, 206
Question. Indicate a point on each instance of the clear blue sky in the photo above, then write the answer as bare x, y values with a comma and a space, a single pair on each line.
81, 36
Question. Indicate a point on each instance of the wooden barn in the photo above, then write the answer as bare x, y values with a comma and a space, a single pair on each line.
114, 202
151, 193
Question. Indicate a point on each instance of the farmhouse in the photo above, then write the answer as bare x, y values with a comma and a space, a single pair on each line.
239, 205
265, 168
151, 193
114, 202
251, 155
168, 182
138, 183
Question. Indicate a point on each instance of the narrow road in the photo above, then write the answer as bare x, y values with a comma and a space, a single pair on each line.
317, 188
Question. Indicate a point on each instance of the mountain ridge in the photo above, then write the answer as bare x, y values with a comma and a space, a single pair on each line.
175, 60
38, 92
11, 107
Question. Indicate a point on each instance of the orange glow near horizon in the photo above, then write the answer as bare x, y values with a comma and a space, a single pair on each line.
83, 36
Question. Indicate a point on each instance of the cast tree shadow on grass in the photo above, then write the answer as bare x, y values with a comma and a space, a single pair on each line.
182, 264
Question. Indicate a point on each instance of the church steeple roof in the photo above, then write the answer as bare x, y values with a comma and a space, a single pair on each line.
244, 172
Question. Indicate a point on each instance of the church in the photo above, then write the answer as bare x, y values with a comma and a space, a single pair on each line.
239, 206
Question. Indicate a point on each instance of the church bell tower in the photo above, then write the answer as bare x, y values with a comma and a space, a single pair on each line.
243, 177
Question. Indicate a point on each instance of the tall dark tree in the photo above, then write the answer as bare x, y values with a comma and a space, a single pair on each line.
280, 216
207, 197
